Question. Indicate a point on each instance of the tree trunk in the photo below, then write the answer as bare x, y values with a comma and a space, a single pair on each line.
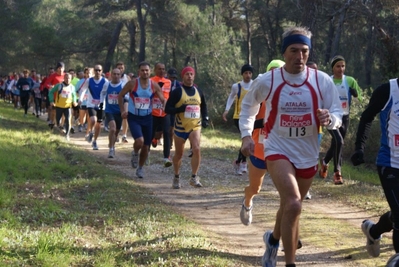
330, 37
369, 58
111, 48
249, 36
309, 12
141, 21
132, 29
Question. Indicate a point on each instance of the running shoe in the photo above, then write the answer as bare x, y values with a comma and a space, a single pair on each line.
237, 167
124, 139
243, 167
134, 160
246, 214
67, 138
176, 182
323, 169
140, 172
51, 125
90, 137
72, 130
94, 145
154, 143
338, 178
80, 128
191, 153
167, 162
194, 181
106, 129
111, 153
269, 259
372, 245
308, 195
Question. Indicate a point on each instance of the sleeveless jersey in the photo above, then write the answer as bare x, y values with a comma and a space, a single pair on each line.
111, 98
388, 155
190, 119
239, 97
344, 94
157, 106
140, 100
291, 126
95, 87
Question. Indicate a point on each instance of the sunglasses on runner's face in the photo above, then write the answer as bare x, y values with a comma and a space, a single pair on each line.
98, 70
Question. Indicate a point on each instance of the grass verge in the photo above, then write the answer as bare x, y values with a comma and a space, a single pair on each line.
59, 207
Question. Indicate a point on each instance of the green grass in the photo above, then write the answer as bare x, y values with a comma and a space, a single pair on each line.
58, 207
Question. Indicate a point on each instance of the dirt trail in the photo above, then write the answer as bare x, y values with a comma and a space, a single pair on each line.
216, 207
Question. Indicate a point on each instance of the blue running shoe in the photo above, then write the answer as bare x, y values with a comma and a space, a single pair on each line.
269, 259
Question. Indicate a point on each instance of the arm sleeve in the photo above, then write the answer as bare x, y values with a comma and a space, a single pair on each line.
174, 97
74, 97
82, 91
378, 100
204, 107
353, 84
331, 100
250, 104
51, 93
104, 92
230, 99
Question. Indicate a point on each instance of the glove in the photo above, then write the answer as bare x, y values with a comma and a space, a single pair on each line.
357, 157
353, 92
205, 122
181, 109
101, 106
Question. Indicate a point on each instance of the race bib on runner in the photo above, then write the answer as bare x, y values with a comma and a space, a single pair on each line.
95, 102
64, 94
37, 93
296, 126
142, 103
157, 104
113, 99
192, 112
25, 87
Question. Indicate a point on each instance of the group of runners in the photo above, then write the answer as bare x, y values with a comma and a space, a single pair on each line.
279, 115
150, 107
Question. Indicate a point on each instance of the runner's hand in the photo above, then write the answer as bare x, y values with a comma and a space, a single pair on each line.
225, 114
247, 146
324, 117
181, 109
205, 122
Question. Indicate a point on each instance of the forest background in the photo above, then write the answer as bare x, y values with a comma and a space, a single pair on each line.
215, 37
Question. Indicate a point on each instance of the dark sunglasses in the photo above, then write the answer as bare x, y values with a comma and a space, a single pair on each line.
98, 70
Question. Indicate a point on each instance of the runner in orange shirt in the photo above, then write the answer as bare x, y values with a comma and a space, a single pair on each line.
257, 165
161, 120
